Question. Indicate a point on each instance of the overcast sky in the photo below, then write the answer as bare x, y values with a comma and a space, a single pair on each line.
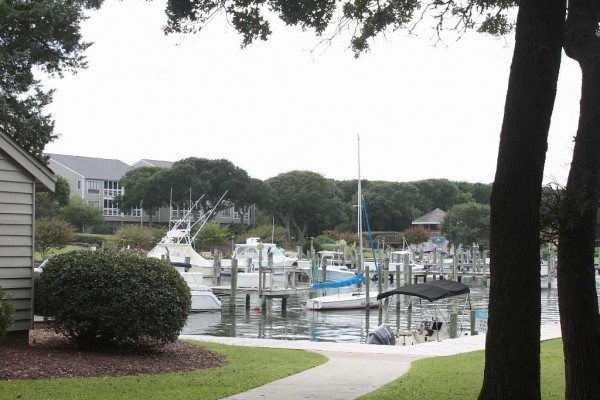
422, 111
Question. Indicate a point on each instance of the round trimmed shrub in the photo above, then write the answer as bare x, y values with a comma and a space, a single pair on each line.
103, 298
7, 312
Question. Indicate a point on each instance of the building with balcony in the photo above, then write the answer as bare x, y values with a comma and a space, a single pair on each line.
98, 182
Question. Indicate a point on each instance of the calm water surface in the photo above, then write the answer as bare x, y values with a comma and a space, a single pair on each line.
334, 326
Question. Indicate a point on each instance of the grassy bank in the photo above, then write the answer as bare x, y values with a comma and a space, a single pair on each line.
460, 377
247, 368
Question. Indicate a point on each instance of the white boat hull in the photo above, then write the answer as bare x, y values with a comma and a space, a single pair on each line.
342, 301
205, 301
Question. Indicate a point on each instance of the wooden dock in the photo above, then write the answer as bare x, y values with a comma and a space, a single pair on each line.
265, 294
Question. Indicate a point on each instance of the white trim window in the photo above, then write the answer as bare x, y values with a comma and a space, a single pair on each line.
110, 208
93, 187
112, 189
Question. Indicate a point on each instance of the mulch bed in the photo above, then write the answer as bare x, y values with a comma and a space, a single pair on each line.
49, 355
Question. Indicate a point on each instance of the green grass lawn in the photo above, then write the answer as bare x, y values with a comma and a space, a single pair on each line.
247, 368
442, 378
460, 377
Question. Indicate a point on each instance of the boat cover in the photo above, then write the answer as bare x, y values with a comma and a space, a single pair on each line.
431, 291
354, 280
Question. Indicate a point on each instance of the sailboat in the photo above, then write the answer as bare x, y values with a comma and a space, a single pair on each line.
348, 300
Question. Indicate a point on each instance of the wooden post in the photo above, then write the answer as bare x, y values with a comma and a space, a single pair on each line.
398, 298
454, 267
453, 325
384, 276
407, 271
234, 272
247, 301
270, 264
473, 330
550, 269
314, 268
367, 301
484, 268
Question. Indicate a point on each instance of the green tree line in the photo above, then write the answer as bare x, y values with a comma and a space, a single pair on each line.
305, 203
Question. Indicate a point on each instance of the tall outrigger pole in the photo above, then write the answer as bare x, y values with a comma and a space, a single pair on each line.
361, 264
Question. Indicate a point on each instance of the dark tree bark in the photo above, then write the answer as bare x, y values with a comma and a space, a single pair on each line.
512, 365
578, 301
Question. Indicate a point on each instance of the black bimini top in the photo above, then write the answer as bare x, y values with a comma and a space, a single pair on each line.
432, 291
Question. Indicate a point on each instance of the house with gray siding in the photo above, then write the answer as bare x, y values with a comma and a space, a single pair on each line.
21, 176
98, 181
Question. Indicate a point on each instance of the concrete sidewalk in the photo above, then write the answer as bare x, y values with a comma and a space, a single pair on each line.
353, 369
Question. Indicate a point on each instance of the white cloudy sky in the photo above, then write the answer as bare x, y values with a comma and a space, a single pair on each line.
422, 111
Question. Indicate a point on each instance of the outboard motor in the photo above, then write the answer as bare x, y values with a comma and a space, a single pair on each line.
382, 335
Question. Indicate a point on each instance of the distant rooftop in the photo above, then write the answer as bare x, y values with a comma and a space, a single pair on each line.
91, 167
434, 217
152, 163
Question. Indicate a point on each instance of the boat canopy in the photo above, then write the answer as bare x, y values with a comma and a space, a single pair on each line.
431, 291
353, 280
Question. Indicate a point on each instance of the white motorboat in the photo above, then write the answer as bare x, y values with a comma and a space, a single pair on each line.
249, 256
335, 265
203, 299
433, 323
342, 301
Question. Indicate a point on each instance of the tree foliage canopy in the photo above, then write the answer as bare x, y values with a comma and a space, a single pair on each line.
49, 204
467, 223
53, 234
81, 214
364, 18
302, 199
391, 205
36, 35
142, 189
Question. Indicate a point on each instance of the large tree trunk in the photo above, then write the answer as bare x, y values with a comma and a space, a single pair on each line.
578, 299
512, 365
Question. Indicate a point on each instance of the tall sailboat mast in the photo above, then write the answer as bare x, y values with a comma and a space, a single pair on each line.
360, 218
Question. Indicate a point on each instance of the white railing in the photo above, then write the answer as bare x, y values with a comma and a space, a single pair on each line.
112, 192
111, 212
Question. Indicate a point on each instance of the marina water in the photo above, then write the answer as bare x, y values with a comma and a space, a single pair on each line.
296, 323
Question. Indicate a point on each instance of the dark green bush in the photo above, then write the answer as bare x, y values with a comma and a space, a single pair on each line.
114, 298
90, 238
38, 304
105, 229
7, 312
